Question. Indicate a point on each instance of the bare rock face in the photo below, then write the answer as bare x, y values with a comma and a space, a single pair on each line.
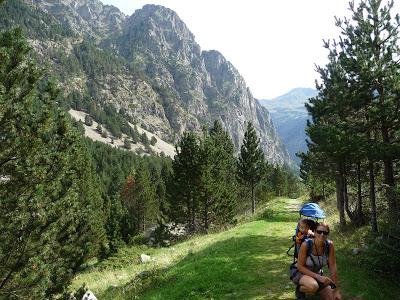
159, 75
84, 17
204, 84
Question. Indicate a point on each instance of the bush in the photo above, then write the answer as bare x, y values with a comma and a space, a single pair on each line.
88, 120
127, 144
144, 139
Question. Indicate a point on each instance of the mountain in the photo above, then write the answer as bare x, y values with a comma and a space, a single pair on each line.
290, 117
145, 69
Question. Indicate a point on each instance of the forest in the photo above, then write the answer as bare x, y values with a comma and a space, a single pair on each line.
353, 134
66, 199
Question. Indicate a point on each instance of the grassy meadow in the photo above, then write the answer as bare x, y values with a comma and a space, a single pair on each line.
245, 262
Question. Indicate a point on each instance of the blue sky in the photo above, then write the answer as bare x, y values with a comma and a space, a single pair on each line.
274, 44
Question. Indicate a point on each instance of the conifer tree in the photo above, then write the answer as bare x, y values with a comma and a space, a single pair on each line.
217, 185
51, 217
139, 197
251, 162
355, 116
183, 189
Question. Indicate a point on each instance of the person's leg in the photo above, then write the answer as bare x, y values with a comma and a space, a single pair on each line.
308, 285
326, 293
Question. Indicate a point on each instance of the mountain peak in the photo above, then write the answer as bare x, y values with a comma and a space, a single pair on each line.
160, 30
300, 92
157, 16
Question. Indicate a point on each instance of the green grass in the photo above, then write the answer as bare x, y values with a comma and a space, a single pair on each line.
246, 262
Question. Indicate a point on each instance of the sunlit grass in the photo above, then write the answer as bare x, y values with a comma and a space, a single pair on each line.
245, 262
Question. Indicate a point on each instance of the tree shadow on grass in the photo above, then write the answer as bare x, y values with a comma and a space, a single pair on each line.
237, 268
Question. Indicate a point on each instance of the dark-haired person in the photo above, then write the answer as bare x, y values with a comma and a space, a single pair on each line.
313, 256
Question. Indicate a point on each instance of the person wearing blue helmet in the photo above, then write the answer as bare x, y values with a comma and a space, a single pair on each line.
314, 254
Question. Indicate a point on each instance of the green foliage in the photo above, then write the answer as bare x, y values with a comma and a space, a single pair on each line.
218, 186
355, 126
99, 129
250, 164
144, 139
115, 168
51, 218
88, 120
139, 197
127, 143
96, 61
184, 184
34, 23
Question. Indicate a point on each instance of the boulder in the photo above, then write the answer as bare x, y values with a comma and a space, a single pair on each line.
144, 258
89, 296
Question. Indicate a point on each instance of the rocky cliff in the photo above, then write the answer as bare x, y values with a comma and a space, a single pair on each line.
147, 66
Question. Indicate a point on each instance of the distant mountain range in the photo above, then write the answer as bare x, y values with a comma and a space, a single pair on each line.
289, 116
146, 69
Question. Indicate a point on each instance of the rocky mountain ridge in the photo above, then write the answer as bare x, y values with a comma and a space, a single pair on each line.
148, 67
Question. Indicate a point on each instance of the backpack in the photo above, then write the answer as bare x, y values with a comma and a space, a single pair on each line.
310, 245
312, 213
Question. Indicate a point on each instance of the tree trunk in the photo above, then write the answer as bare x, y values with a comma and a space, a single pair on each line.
390, 185
193, 217
374, 224
339, 194
253, 200
206, 216
346, 201
359, 213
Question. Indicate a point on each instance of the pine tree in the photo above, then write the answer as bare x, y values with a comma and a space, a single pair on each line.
183, 190
355, 116
51, 217
251, 162
225, 166
139, 198
217, 185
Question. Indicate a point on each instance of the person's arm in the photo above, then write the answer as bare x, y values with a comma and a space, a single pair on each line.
333, 270
332, 263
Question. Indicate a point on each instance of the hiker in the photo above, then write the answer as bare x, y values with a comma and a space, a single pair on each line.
313, 256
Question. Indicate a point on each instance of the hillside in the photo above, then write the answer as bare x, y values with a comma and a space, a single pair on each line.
146, 69
290, 118
245, 262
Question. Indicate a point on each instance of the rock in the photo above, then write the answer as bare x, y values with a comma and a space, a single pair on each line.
149, 231
89, 296
188, 86
72, 297
144, 258
355, 251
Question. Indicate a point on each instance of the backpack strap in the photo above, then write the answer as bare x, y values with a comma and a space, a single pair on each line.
309, 246
327, 248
